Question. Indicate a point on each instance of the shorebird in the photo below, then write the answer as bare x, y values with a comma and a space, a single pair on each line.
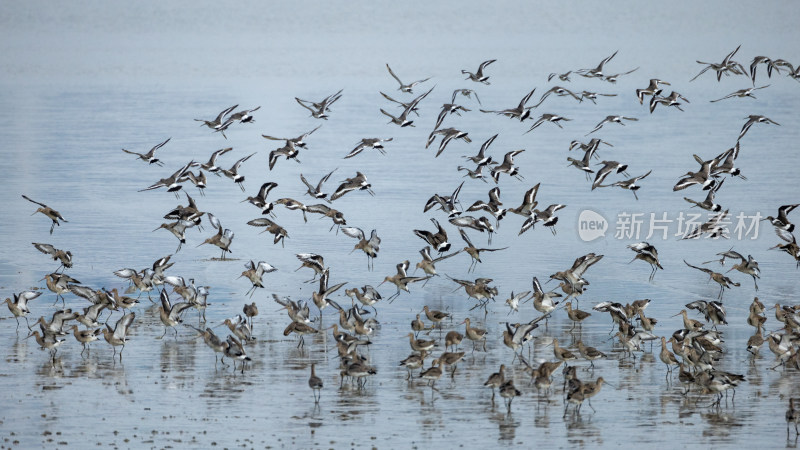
514, 299
715, 226
405, 87
297, 311
725, 163
293, 205
508, 392
561, 76
475, 252
149, 157
401, 280
369, 246
217, 122
410, 106
593, 96
240, 328
507, 166
741, 93
301, 329
479, 289
250, 311
652, 89
437, 240
428, 263
233, 172
314, 262
51, 213
413, 362
199, 180
547, 217
666, 356
57, 283
702, 177
466, 93
320, 297
521, 112
365, 143
558, 90
402, 120
762, 60
260, 200
713, 311
590, 353
670, 100
299, 141
318, 110
576, 315
611, 119
751, 119
120, 301
448, 134
481, 159
420, 345
172, 182
529, 202
435, 316
356, 183
647, 253
432, 374
474, 334
255, 273
19, 305
452, 358
222, 239
614, 77
65, 257
325, 211
552, 118
496, 380
584, 164
790, 246
171, 314
449, 108
607, 169
782, 221
233, 349
417, 325
516, 335
573, 277
630, 184
244, 116
211, 165
708, 204
543, 301
315, 383
118, 335
596, 72
178, 229
289, 151
723, 281
446, 203
727, 65
478, 76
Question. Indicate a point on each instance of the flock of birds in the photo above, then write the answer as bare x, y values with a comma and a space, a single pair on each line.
694, 350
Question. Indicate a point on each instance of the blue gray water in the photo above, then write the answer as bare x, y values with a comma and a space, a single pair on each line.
80, 81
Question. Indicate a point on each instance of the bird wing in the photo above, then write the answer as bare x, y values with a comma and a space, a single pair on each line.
393, 75
353, 232
122, 325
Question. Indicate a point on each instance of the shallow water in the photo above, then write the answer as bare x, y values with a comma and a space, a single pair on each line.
82, 83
